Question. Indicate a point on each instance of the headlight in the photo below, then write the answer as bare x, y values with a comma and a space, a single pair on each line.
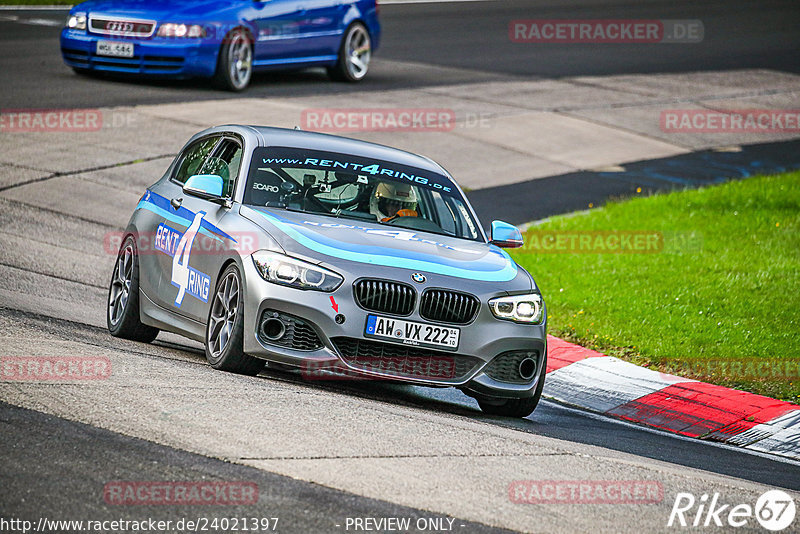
76, 21
181, 30
282, 269
519, 308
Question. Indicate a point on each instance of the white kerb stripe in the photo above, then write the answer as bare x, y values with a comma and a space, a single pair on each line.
779, 436
602, 384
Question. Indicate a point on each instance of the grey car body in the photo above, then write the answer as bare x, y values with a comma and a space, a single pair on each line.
190, 254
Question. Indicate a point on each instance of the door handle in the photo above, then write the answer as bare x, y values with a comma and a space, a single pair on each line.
176, 202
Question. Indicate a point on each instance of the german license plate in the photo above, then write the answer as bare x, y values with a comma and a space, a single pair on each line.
114, 49
412, 332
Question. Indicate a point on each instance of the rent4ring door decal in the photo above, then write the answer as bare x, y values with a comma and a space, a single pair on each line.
172, 243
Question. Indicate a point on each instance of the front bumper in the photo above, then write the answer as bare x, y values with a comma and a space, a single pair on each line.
175, 58
481, 341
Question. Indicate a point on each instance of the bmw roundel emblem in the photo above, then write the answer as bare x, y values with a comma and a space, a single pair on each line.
418, 278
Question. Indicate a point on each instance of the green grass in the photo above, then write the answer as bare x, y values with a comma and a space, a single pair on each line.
724, 289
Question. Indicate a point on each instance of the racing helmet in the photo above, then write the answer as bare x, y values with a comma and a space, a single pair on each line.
388, 196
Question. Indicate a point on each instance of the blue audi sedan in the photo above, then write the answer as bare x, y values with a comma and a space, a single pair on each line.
224, 40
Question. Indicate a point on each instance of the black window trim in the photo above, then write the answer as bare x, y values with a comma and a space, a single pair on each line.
230, 136
223, 136
182, 155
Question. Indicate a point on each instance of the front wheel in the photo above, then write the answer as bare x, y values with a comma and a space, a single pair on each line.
515, 407
235, 63
354, 55
225, 328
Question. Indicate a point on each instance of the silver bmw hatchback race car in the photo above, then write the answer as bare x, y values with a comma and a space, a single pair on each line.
333, 256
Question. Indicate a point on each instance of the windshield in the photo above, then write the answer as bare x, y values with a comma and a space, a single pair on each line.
352, 187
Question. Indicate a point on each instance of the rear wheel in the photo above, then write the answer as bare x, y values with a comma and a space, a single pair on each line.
235, 63
515, 407
354, 55
225, 328
122, 316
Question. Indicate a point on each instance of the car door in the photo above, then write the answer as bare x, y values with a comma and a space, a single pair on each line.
205, 245
278, 27
173, 219
323, 26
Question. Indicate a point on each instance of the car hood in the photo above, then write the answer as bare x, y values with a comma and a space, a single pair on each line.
151, 9
327, 239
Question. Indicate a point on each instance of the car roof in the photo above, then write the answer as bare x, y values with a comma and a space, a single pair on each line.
266, 136
283, 137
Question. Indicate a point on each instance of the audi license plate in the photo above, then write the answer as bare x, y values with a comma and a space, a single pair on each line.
412, 332
114, 49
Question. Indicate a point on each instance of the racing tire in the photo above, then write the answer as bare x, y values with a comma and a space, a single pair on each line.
235, 62
225, 327
355, 53
122, 315
515, 407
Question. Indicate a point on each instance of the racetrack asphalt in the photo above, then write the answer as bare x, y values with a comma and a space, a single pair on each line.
429, 44
587, 189
67, 465
393, 443
324, 451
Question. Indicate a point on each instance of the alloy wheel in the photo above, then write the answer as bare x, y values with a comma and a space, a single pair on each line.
240, 60
358, 51
120, 285
223, 315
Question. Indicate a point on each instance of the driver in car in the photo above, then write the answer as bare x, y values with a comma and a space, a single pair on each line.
393, 200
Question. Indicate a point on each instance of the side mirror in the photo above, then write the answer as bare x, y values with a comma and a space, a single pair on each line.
505, 235
207, 186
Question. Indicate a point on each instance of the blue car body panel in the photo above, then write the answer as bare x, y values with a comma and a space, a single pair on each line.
285, 33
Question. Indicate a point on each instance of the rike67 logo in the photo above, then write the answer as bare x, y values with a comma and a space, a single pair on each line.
774, 510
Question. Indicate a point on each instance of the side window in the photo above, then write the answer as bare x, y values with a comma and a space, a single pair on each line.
225, 162
193, 158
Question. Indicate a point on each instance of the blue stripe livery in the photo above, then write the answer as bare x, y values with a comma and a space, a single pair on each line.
183, 216
494, 266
